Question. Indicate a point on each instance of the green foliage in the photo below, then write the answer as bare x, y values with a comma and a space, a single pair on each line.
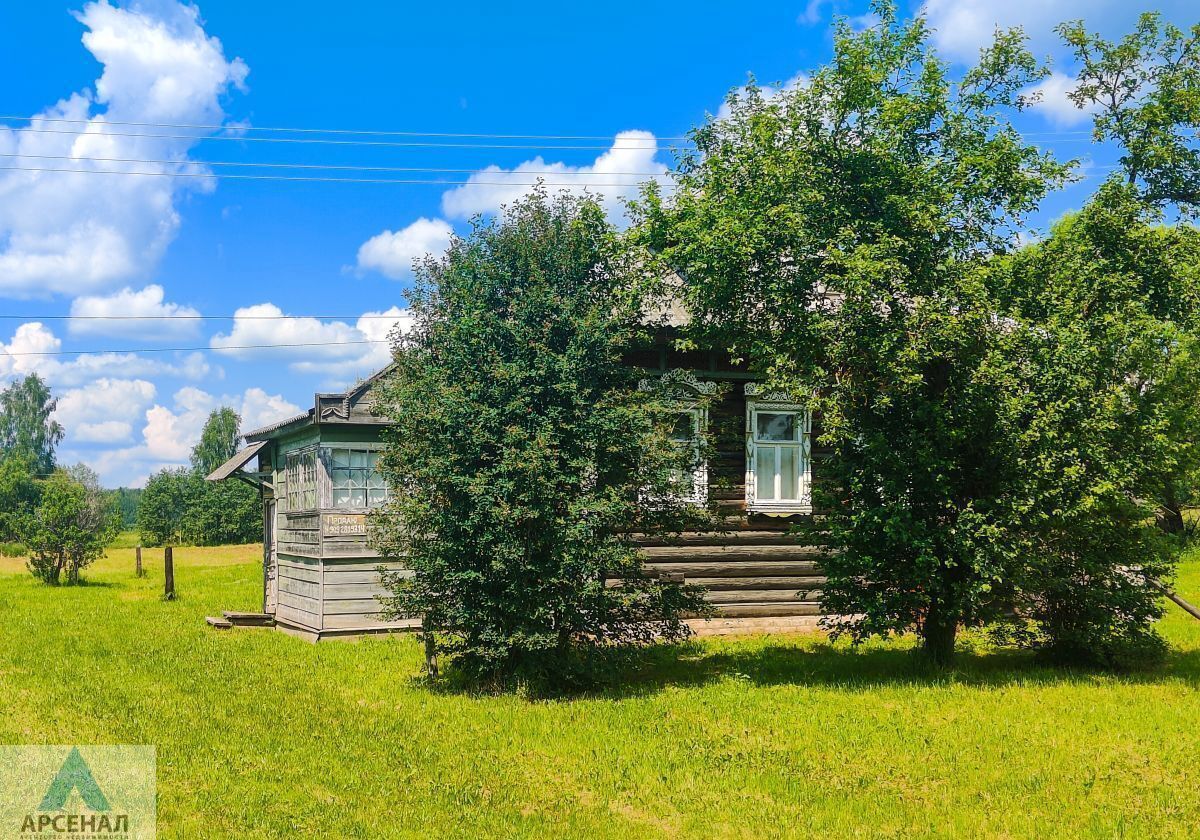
26, 429
126, 500
218, 441
833, 234
1110, 416
73, 522
18, 492
1146, 92
524, 453
178, 507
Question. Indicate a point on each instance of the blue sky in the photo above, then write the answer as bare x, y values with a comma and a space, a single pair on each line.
629, 75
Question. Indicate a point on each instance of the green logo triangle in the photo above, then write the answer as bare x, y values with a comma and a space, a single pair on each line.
74, 774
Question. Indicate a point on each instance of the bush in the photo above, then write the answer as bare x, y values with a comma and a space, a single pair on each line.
68, 531
524, 454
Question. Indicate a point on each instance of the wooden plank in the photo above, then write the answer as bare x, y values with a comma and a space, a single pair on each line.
795, 583
358, 606
219, 623
291, 615
361, 565
759, 537
731, 553
299, 603
351, 591
310, 574
300, 588
361, 622
752, 610
739, 569
337, 577
763, 596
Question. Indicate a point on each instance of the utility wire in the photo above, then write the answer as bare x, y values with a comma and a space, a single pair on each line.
351, 131
229, 176
256, 164
372, 316
194, 349
616, 144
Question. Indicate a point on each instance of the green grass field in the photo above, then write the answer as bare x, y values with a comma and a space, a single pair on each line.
261, 734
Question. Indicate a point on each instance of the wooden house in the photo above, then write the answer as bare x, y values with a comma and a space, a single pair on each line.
318, 479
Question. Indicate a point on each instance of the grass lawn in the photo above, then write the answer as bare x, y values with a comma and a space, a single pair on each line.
261, 734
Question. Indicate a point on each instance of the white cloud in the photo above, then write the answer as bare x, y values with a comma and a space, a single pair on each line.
70, 233
612, 178
107, 431
1053, 103
334, 348
962, 27
30, 348
812, 12
170, 432
158, 319
767, 92
103, 411
392, 252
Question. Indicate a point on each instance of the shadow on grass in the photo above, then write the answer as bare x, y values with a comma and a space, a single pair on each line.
819, 663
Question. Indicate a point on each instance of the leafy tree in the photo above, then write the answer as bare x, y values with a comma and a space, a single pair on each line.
1146, 91
218, 441
26, 427
223, 513
1109, 405
524, 454
166, 503
18, 492
127, 499
834, 235
70, 527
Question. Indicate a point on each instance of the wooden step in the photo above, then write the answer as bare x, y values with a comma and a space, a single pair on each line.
795, 583
219, 623
738, 569
248, 619
763, 596
731, 553
721, 538
767, 610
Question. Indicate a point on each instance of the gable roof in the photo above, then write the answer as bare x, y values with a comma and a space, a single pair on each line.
353, 406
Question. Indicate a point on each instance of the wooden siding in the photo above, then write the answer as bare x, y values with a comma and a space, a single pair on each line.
351, 588
299, 580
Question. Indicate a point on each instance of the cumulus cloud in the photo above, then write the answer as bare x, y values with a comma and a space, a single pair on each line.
103, 411
767, 92
158, 319
71, 233
392, 253
612, 178
335, 348
1053, 104
170, 432
34, 348
962, 27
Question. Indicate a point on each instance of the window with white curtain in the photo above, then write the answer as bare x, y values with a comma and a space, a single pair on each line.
354, 478
777, 457
687, 434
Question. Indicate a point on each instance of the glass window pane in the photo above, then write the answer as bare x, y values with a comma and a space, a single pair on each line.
341, 458
764, 472
775, 426
376, 497
788, 474
341, 498
358, 459
358, 497
684, 428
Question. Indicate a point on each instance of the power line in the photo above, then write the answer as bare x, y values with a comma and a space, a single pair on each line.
616, 144
234, 177
351, 131
194, 349
176, 317
257, 164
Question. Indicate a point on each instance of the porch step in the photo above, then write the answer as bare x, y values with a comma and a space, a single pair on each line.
219, 623
248, 619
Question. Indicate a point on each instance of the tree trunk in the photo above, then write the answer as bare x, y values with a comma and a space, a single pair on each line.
938, 633
1170, 513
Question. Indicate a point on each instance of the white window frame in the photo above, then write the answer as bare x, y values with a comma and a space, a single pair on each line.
372, 452
759, 401
699, 494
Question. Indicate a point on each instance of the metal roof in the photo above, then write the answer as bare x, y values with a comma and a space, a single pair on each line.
236, 462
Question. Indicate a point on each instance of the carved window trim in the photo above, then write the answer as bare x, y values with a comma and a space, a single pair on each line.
758, 399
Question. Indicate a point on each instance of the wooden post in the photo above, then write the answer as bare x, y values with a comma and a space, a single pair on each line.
138, 554
431, 663
169, 574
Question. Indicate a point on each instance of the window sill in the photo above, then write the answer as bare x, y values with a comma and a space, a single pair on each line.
779, 509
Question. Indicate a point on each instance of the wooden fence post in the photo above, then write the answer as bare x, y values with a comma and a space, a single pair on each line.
169, 574
138, 554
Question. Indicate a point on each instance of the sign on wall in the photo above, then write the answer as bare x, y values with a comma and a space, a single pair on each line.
344, 524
